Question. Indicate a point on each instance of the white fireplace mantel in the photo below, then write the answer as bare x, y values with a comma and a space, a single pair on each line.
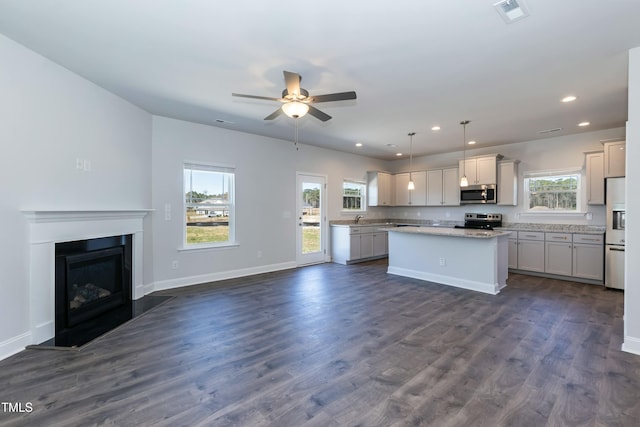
48, 227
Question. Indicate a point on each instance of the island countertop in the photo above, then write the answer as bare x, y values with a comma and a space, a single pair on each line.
446, 231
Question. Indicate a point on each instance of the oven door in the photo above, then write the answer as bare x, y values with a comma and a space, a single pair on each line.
478, 194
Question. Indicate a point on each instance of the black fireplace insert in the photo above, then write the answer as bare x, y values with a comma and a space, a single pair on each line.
92, 287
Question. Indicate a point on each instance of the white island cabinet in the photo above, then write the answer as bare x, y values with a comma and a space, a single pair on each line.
464, 258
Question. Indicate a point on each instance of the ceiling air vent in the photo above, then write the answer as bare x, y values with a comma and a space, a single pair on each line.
512, 10
549, 130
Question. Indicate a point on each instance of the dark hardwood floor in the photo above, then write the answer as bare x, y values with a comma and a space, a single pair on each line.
334, 345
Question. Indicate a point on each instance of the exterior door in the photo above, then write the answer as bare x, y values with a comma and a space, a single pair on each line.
311, 219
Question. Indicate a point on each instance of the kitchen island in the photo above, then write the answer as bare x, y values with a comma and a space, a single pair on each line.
465, 258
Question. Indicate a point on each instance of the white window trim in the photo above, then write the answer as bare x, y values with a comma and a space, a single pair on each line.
580, 211
364, 197
232, 242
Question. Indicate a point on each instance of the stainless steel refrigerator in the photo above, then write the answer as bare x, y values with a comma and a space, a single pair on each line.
614, 239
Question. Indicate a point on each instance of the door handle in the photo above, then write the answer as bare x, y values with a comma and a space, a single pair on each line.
616, 249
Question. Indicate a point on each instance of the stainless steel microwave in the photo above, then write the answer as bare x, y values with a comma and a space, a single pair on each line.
478, 194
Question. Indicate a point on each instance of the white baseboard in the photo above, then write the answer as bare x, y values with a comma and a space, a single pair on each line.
214, 277
631, 345
14, 345
487, 288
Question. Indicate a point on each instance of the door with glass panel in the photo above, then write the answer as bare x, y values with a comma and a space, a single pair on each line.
310, 219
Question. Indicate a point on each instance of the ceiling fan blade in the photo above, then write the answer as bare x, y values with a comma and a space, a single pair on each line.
318, 114
342, 96
274, 114
268, 98
292, 81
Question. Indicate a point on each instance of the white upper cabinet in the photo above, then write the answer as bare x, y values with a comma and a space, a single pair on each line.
379, 189
406, 197
508, 182
615, 154
595, 178
443, 187
450, 187
480, 170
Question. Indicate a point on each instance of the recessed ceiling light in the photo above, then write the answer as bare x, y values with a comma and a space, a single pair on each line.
358, 144
435, 128
398, 154
569, 98
582, 124
471, 142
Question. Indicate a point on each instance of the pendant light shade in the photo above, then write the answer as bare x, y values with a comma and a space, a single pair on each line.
295, 109
411, 185
464, 182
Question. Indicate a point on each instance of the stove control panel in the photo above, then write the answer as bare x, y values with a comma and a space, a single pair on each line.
492, 217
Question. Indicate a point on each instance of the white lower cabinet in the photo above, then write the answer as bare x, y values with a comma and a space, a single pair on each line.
588, 256
575, 255
531, 251
558, 253
380, 243
351, 244
513, 251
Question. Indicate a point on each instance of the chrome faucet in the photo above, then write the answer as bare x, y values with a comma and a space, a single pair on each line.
358, 217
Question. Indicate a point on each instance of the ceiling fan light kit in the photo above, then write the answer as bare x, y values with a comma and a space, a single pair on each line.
295, 109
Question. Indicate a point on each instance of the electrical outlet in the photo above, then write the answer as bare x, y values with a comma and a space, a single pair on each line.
259, 254
175, 265
79, 163
443, 262
167, 212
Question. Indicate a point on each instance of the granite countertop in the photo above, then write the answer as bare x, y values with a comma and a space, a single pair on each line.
553, 228
506, 226
394, 222
446, 231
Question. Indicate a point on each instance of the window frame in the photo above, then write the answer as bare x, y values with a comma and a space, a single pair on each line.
216, 168
363, 197
548, 174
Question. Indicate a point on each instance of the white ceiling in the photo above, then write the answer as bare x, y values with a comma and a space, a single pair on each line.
412, 63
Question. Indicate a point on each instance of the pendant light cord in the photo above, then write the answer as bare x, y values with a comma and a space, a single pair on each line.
410, 153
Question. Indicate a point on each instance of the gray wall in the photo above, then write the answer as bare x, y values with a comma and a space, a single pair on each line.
265, 198
632, 249
50, 118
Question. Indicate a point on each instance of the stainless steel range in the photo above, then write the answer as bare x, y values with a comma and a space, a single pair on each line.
482, 221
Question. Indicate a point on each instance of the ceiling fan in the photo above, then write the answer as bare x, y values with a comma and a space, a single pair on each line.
296, 100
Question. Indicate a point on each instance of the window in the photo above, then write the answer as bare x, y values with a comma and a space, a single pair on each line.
353, 196
553, 192
209, 205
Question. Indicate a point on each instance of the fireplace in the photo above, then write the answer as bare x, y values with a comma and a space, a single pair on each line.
47, 228
92, 287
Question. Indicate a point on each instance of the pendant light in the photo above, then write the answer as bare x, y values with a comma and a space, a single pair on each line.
464, 182
411, 185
